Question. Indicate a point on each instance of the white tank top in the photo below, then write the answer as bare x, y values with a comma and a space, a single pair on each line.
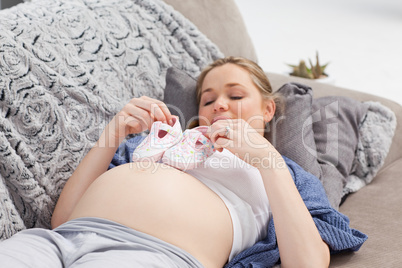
241, 188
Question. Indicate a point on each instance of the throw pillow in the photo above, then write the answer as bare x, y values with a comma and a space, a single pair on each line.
292, 134
336, 130
180, 95
290, 131
56, 99
336, 133
376, 132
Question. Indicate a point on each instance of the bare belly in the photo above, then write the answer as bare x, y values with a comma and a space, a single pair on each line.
166, 203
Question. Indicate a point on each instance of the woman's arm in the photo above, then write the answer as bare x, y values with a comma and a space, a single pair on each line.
137, 116
299, 242
94, 164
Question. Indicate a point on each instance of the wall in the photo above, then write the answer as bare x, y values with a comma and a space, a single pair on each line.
361, 39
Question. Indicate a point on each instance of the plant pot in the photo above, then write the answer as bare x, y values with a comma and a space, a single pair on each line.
323, 79
326, 79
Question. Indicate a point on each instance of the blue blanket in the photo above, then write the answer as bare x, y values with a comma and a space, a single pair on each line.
332, 225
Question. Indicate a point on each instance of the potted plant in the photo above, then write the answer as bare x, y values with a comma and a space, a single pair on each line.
316, 71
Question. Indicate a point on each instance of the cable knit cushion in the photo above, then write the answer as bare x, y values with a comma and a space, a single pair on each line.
376, 132
66, 68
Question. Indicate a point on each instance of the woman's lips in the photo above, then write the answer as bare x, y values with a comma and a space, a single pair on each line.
219, 118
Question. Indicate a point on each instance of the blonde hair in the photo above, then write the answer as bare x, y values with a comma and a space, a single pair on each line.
257, 75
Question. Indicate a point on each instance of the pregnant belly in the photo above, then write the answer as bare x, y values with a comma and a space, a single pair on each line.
166, 203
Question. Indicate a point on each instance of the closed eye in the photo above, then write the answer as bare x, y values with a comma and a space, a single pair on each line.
232, 98
208, 103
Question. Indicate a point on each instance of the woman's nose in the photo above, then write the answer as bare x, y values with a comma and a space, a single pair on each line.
221, 104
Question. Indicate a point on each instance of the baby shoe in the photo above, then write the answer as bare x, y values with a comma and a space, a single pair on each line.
191, 151
161, 137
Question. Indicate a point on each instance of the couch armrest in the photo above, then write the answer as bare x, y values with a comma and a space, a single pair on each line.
321, 90
374, 211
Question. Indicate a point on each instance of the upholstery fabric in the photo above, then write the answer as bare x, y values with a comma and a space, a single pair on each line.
375, 210
230, 34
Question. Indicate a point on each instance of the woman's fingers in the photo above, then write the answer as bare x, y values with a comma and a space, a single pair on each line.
236, 132
139, 115
223, 129
221, 134
137, 124
157, 110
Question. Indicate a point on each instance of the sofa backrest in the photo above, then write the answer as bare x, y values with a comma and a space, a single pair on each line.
222, 22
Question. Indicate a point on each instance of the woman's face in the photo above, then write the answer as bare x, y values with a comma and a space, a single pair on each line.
229, 93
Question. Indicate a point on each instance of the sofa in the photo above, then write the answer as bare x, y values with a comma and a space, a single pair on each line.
67, 67
374, 209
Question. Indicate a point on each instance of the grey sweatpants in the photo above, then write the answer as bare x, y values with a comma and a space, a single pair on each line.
90, 242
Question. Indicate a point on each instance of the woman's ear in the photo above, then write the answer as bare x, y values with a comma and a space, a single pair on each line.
269, 110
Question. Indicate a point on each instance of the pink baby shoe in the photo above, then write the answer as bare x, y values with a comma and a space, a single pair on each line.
161, 137
191, 151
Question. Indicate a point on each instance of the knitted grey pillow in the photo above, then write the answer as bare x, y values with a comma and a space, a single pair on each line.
376, 132
66, 68
336, 122
292, 134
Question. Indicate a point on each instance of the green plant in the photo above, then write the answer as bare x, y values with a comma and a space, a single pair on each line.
314, 72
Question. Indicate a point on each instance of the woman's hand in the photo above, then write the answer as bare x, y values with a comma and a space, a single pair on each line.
137, 116
243, 141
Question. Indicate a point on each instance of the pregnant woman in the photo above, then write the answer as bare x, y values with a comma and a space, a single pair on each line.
136, 215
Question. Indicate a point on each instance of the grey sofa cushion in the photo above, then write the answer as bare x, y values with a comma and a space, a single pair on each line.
218, 20
336, 122
320, 135
336, 130
179, 95
291, 132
